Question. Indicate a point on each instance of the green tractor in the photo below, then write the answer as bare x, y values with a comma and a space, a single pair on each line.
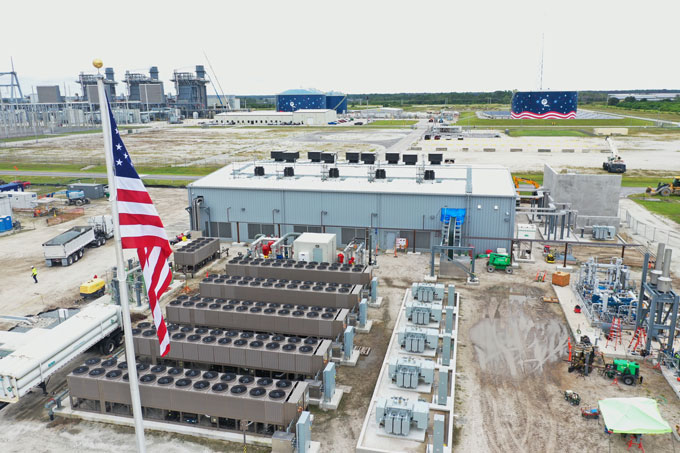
499, 261
628, 372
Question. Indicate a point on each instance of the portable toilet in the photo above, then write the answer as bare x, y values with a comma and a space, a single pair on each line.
5, 213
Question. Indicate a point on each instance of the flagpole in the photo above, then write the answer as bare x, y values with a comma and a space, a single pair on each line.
121, 273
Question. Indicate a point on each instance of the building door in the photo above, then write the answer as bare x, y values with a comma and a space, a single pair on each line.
317, 254
390, 240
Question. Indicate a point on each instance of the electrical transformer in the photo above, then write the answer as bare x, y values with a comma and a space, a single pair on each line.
427, 292
396, 414
407, 372
415, 339
422, 313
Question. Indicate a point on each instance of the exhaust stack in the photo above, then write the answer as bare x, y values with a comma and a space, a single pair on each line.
664, 282
656, 273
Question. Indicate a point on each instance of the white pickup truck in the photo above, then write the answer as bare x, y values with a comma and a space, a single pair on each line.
38, 353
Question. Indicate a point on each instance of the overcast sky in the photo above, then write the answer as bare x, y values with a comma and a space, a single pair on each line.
366, 46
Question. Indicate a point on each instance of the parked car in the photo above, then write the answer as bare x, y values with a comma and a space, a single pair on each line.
358, 123
24, 184
437, 137
332, 123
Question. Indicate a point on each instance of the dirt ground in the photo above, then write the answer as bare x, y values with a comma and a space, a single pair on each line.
512, 375
59, 286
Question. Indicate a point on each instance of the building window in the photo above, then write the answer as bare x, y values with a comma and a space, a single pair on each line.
260, 228
220, 229
422, 238
347, 234
306, 229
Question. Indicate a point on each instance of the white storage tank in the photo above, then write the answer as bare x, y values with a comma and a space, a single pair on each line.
319, 247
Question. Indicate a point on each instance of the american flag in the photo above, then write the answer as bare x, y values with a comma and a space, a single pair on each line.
141, 228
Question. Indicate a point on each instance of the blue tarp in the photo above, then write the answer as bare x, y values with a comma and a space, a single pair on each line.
447, 213
12, 187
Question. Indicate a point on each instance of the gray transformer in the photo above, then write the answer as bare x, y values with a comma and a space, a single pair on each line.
408, 372
396, 414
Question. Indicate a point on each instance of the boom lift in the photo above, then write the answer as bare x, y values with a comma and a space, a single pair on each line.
73, 197
614, 163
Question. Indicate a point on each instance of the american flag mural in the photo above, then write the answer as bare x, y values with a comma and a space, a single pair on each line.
141, 228
544, 105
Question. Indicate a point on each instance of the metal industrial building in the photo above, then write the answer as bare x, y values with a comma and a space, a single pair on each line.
88, 83
336, 101
192, 94
146, 89
292, 100
242, 200
271, 118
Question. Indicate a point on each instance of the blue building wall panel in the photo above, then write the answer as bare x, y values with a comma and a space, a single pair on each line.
337, 103
488, 217
293, 102
544, 105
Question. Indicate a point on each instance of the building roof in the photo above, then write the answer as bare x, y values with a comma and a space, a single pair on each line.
256, 113
335, 93
449, 179
301, 91
313, 110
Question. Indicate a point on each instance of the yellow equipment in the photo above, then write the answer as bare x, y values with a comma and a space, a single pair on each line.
664, 189
530, 182
550, 258
92, 288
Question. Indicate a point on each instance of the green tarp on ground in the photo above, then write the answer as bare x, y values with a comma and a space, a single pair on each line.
633, 416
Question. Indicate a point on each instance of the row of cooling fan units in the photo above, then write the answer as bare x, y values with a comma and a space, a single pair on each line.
179, 377
279, 283
196, 244
234, 337
309, 265
257, 307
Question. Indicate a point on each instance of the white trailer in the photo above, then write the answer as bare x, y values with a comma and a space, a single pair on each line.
40, 352
69, 246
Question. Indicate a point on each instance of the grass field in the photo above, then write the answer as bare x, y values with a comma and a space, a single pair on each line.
91, 131
666, 206
651, 114
393, 122
164, 170
547, 133
626, 181
623, 122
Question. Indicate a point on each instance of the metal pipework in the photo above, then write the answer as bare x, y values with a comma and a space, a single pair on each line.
656, 272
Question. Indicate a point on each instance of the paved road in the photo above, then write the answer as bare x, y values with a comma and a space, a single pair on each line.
82, 174
645, 118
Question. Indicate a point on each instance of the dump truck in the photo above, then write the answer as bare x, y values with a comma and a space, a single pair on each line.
69, 246
35, 354
665, 189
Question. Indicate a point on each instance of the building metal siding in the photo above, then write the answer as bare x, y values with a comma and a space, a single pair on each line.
396, 212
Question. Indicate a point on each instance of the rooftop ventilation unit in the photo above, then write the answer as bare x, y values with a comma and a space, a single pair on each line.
290, 156
288, 172
308, 321
352, 157
380, 173
333, 172
219, 347
272, 290
369, 158
226, 396
197, 253
328, 158
259, 171
392, 158
301, 270
314, 156
435, 158
429, 175
277, 156
409, 159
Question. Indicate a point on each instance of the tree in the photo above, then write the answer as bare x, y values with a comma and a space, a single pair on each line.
612, 101
630, 99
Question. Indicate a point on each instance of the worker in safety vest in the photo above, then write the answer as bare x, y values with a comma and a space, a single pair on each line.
34, 274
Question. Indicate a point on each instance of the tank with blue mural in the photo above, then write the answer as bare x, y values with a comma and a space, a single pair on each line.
298, 99
544, 105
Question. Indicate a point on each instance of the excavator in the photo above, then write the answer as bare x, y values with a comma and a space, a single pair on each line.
517, 180
614, 163
665, 189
